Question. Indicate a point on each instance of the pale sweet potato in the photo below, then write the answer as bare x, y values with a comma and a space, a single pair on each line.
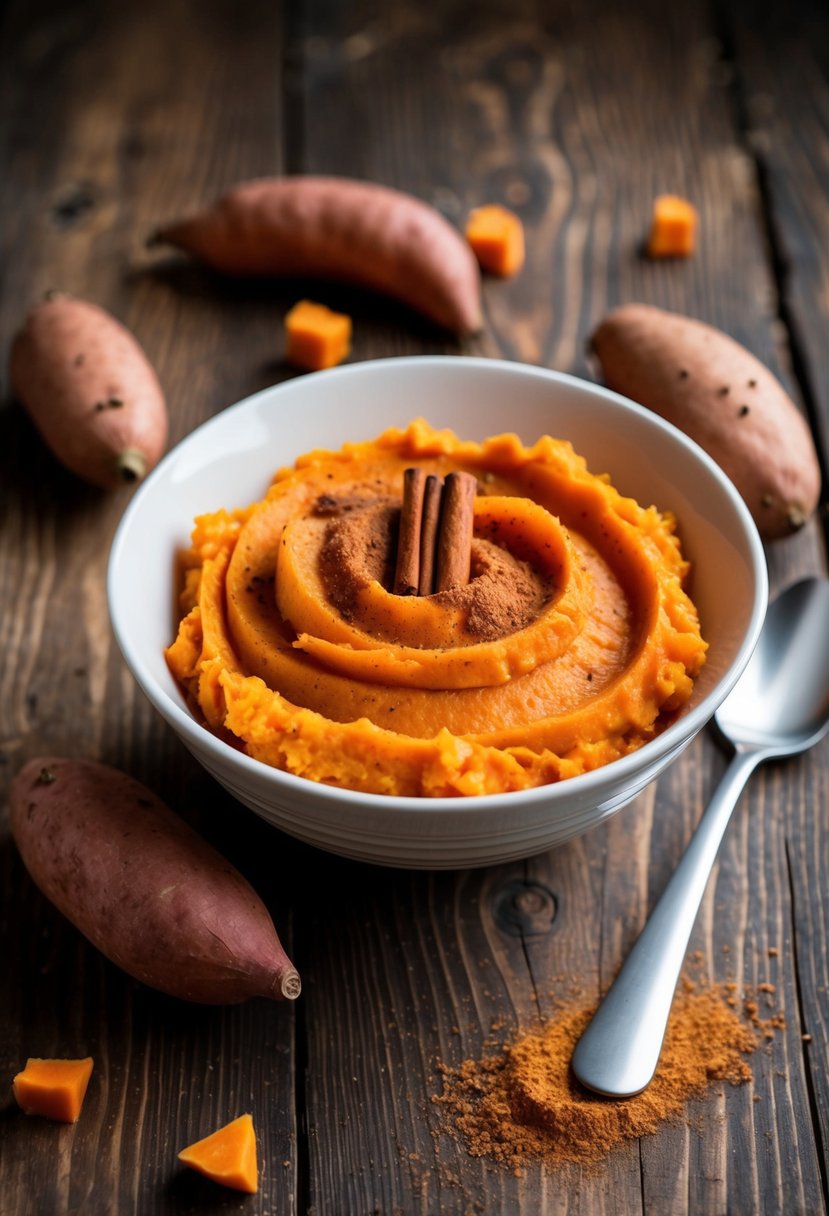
339, 228
723, 397
90, 391
143, 887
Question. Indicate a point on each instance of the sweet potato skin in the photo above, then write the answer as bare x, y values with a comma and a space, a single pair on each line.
143, 887
342, 229
724, 398
90, 391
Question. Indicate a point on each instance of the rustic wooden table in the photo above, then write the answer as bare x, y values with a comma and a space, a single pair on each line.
117, 116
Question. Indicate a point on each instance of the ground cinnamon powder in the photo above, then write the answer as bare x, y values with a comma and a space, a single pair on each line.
524, 1104
504, 593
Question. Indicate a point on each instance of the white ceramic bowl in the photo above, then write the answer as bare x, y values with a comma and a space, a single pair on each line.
229, 462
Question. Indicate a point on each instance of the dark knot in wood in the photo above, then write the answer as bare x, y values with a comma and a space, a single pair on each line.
525, 909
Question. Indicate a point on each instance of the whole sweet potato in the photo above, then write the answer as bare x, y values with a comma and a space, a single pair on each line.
90, 391
143, 887
339, 228
720, 395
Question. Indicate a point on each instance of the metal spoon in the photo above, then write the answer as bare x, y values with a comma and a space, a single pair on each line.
779, 707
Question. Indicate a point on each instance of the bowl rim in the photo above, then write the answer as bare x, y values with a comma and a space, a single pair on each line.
199, 737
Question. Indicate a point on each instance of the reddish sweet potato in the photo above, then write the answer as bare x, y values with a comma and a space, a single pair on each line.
90, 391
716, 391
149, 892
338, 228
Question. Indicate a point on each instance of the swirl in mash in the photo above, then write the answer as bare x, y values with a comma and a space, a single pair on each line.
573, 643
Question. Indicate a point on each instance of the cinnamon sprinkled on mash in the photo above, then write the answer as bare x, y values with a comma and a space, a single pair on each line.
572, 643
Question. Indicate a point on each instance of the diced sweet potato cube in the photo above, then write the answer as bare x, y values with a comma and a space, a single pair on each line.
317, 337
673, 228
497, 239
54, 1088
227, 1156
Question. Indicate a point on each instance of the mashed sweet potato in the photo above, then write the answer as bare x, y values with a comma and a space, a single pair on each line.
573, 643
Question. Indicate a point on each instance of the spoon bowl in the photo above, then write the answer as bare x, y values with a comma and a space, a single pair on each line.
781, 701
778, 707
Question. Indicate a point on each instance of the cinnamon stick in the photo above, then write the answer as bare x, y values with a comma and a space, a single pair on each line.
407, 570
429, 533
454, 547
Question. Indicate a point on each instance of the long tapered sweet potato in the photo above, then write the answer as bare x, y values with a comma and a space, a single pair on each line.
723, 397
90, 391
339, 228
147, 890
227, 1156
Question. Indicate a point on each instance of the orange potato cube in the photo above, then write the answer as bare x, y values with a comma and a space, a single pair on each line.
54, 1088
497, 239
673, 227
317, 337
227, 1156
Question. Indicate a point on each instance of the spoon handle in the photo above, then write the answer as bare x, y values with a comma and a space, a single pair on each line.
618, 1053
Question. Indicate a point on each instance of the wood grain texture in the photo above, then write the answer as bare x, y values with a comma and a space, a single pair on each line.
108, 124
114, 118
580, 162
781, 72
782, 82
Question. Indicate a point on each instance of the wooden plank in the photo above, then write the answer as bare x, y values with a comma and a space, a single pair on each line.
114, 118
782, 89
404, 970
575, 118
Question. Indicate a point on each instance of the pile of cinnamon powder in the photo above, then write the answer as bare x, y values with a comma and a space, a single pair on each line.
505, 593
524, 1104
